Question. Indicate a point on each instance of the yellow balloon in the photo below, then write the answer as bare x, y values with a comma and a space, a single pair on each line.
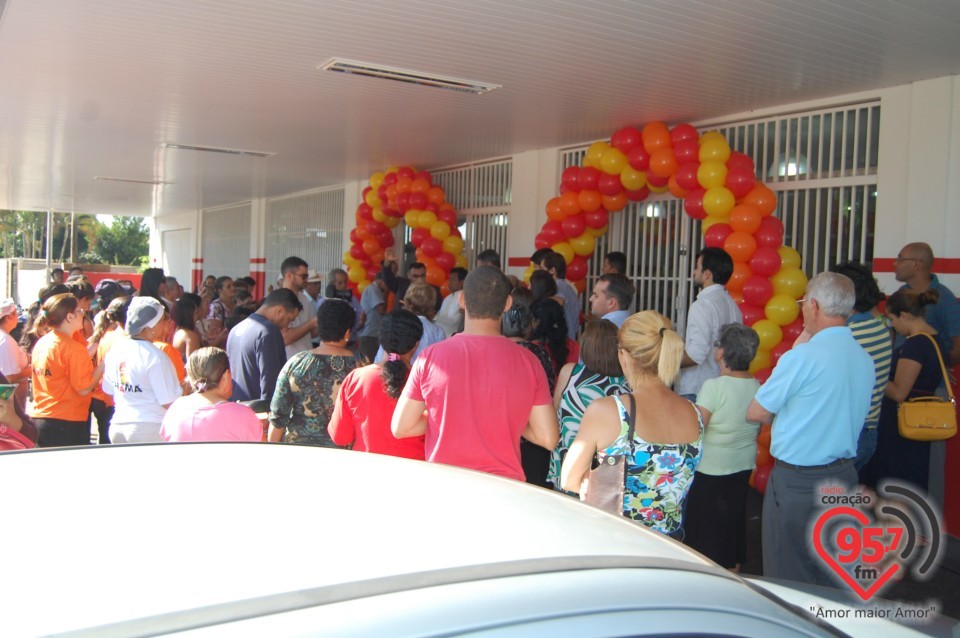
760, 361
372, 200
709, 221
597, 232
379, 216
789, 281
427, 218
715, 149
613, 161
594, 154
376, 180
718, 202
789, 257
769, 332
583, 245
412, 217
357, 274
711, 135
529, 271
565, 249
349, 261
658, 189
362, 286
440, 230
782, 309
712, 173
461, 261
632, 179
392, 169
391, 222
453, 245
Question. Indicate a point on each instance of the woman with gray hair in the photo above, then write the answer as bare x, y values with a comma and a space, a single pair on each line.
717, 504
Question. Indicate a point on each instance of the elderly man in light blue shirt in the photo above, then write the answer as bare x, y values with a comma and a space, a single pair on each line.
612, 298
820, 393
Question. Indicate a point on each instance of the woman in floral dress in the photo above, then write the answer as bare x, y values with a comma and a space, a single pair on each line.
309, 382
666, 446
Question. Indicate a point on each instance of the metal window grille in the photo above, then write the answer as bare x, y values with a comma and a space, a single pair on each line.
306, 225
822, 165
226, 241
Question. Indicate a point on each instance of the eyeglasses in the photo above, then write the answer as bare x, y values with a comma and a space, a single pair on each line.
902, 259
302, 275
800, 302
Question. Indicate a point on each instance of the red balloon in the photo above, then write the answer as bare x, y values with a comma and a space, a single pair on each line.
716, 235
431, 247
363, 195
354, 238
382, 193
687, 152
761, 476
770, 234
577, 269
386, 239
693, 204
553, 232
390, 179
356, 251
589, 178
364, 211
405, 171
433, 208
792, 330
403, 202
374, 227
639, 158
751, 314
418, 201
640, 195
740, 181
424, 175
542, 242
449, 216
757, 291
763, 374
626, 139
779, 350
446, 261
609, 185
686, 176
738, 160
573, 226
656, 180
419, 235
772, 224
595, 219
570, 178
765, 261
683, 133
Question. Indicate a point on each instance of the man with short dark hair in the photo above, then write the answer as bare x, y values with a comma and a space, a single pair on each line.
174, 291
556, 265
820, 393
337, 288
481, 391
56, 276
298, 336
612, 298
615, 263
489, 257
256, 349
450, 317
416, 271
713, 308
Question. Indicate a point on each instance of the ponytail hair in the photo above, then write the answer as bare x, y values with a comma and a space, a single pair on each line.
653, 346
910, 302
54, 310
400, 331
114, 314
206, 367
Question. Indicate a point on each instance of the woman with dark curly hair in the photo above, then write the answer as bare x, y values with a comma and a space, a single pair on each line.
220, 308
550, 331
369, 395
307, 387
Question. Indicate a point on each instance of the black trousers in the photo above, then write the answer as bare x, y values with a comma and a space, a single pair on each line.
102, 413
60, 433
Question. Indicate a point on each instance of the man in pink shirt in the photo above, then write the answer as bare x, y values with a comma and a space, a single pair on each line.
481, 391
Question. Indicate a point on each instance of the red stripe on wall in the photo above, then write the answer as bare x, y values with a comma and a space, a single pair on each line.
198, 260
258, 260
941, 265
518, 262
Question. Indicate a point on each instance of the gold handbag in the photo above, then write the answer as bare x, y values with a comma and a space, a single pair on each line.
929, 418
605, 485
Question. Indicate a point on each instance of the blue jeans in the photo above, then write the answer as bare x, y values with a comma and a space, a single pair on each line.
866, 445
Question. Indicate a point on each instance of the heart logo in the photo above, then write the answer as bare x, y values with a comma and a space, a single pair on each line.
863, 545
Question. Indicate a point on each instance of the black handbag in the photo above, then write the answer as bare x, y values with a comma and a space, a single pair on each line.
604, 486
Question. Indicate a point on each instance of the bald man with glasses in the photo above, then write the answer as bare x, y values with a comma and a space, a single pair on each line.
913, 268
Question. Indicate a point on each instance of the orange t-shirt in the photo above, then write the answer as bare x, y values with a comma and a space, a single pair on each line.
175, 357
102, 348
61, 367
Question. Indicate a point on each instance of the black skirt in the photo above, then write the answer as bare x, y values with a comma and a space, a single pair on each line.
715, 519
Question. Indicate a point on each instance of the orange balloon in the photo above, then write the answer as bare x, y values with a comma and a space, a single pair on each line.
435, 195
741, 272
663, 163
429, 262
740, 246
580, 285
404, 184
392, 192
554, 211
445, 289
420, 185
763, 198
737, 296
570, 203
589, 200
435, 275
614, 203
745, 218
655, 135
763, 456
676, 189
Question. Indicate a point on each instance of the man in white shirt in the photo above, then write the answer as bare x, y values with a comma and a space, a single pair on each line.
713, 308
298, 336
450, 317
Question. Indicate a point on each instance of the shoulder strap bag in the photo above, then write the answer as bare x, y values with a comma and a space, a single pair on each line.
929, 418
605, 484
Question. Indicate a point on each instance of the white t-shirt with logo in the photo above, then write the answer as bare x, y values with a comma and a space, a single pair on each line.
141, 379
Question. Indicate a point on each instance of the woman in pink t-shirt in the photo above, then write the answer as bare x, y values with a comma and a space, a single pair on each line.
368, 395
207, 415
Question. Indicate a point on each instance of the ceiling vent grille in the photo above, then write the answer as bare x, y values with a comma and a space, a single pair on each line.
407, 76
215, 149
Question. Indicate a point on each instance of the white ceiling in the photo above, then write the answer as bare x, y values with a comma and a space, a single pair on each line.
94, 88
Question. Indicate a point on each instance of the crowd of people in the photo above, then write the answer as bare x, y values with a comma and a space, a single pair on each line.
518, 380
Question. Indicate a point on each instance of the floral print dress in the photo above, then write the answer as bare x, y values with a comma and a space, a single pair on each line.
306, 394
659, 476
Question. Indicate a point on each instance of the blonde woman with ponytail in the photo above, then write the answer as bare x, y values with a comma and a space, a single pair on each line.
666, 446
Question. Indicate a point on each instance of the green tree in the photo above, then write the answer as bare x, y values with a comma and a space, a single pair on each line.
124, 242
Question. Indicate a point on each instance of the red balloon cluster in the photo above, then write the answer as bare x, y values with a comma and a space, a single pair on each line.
403, 193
